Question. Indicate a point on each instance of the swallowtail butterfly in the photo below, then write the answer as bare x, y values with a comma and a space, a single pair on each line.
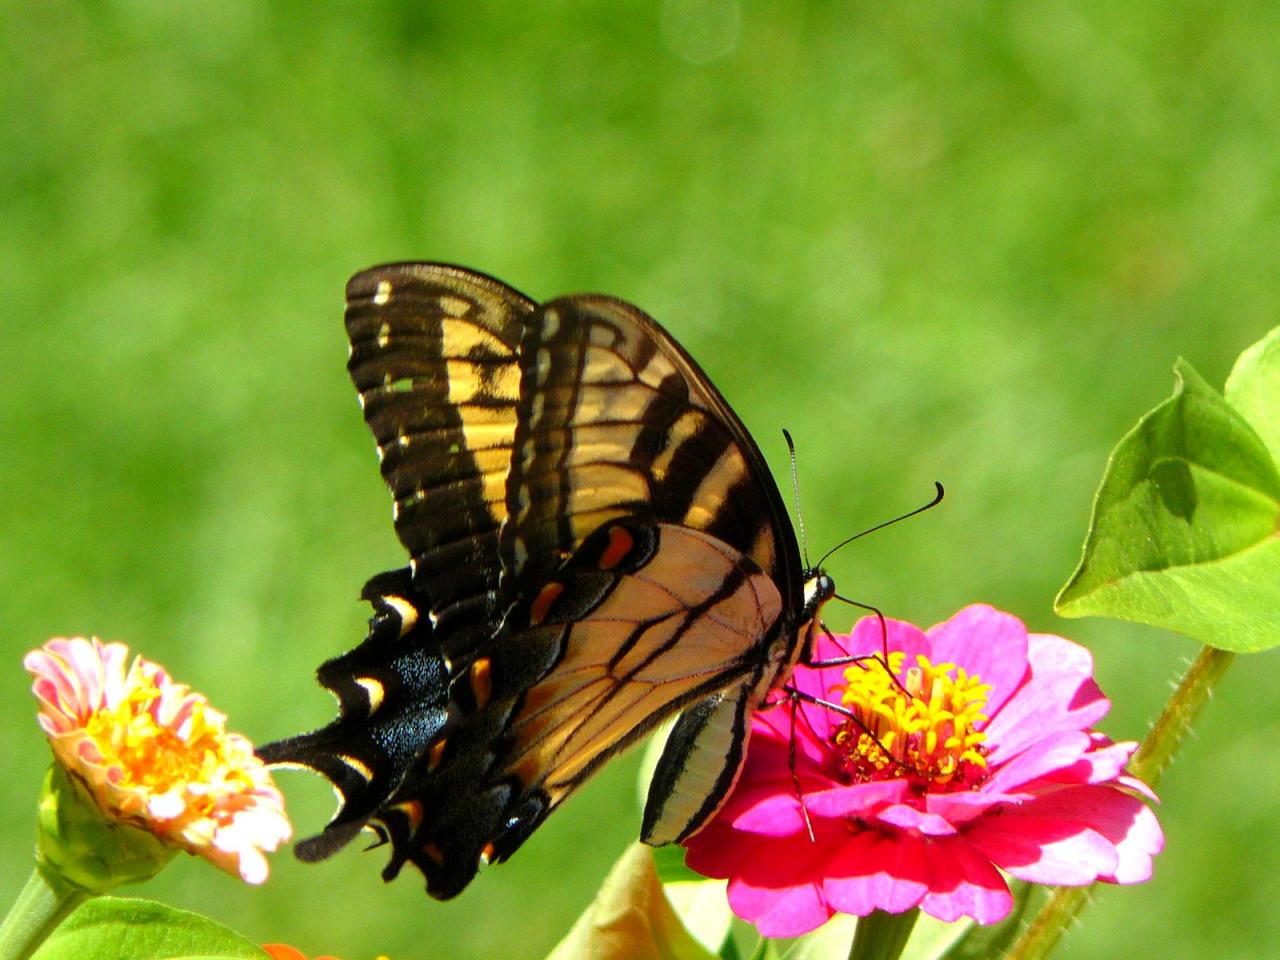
596, 544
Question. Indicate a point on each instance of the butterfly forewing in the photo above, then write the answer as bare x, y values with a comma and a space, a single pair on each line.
433, 355
615, 419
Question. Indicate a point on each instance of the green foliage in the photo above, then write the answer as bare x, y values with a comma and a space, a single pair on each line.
937, 241
86, 849
1184, 528
669, 862
115, 928
1254, 389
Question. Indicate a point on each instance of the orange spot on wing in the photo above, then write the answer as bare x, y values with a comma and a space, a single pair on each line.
412, 811
620, 544
434, 854
481, 680
486, 853
436, 754
543, 601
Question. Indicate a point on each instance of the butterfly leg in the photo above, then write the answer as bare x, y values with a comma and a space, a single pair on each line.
794, 704
882, 657
794, 698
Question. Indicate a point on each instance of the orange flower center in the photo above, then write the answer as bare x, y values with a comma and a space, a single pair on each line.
148, 754
923, 727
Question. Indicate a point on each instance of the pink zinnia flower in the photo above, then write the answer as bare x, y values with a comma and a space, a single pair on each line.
155, 755
978, 758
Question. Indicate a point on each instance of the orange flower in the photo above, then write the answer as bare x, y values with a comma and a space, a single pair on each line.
156, 756
282, 951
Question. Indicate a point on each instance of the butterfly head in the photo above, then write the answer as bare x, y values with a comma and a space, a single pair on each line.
818, 589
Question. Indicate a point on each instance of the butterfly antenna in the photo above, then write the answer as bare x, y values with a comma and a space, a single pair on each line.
939, 493
795, 489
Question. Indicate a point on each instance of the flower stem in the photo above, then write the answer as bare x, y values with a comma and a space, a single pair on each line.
1148, 763
1179, 712
882, 936
43, 904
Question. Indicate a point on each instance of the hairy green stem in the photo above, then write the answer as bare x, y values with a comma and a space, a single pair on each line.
43, 904
1148, 763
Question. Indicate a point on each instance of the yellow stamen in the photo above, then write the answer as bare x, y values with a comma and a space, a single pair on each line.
157, 758
924, 727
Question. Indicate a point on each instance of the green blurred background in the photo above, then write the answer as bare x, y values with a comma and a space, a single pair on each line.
961, 241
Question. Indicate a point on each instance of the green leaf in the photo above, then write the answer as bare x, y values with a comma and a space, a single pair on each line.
630, 917
669, 862
1184, 526
1254, 389
111, 928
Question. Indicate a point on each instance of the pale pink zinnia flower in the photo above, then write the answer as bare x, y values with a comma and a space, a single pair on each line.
978, 758
157, 756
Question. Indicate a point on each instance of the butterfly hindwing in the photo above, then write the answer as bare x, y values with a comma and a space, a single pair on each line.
392, 694
642, 621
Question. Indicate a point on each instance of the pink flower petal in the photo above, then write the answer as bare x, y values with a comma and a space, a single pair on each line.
773, 727
789, 912
1055, 752
775, 815
916, 821
963, 883
779, 888
878, 871
1102, 764
987, 642
961, 808
867, 638
1118, 820
859, 800
1059, 694
1044, 850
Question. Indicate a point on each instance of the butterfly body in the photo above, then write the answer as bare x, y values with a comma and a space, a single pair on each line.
596, 545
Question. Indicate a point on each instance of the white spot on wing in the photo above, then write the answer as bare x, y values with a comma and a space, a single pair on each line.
383, 293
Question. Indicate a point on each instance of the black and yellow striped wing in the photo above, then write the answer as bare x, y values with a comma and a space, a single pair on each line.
596, 545
434, 356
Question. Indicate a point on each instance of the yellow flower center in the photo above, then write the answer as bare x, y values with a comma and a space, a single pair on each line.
923, 727
156, 758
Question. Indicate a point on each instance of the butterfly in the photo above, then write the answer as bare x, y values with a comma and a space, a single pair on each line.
596, 545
